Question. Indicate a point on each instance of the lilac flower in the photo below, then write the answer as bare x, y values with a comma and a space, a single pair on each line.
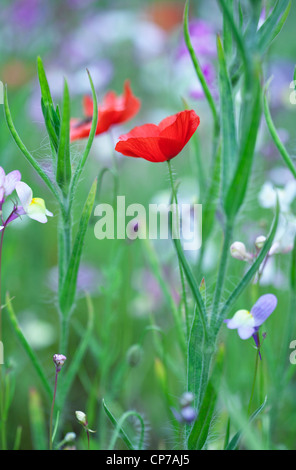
7, 183
187, 413
248, 323
59, 360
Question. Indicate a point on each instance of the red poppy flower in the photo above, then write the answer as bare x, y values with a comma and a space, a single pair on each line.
114, 110
159, 143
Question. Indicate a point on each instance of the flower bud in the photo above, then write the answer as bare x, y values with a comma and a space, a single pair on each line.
186, 399
81, 417
238, 251
59, 360
69, 437
188, 414
260, 241
134, 355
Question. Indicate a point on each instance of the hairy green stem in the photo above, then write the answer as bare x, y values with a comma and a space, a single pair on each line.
184, 297
222, 270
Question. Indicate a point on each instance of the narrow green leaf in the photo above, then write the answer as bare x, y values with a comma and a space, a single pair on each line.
119, 427
192, 282
90, 140
68, 291
121, 432
63, 174
18, 438
273, 132
25, 151
29, 351
44, 86
201, 427
227, 117
52, 134
238, 187
198, 362
274, 23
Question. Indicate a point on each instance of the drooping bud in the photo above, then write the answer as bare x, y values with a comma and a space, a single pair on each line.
59, 360
81, 417
260, 241
134, 355
238, 251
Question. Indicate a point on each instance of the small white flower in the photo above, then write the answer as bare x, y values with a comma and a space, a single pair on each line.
260, 241
33, 207
81, 417
268, 195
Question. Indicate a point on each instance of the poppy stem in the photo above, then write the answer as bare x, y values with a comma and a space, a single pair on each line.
184, 297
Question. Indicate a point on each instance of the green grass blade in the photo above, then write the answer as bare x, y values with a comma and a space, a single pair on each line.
198, 362
238, 187
119, 426
200, 429
273, 132
68, 291
29, 351
234, 443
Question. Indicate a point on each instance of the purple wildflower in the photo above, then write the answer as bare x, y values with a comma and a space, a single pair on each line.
248, 323
59, 360
7, 183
